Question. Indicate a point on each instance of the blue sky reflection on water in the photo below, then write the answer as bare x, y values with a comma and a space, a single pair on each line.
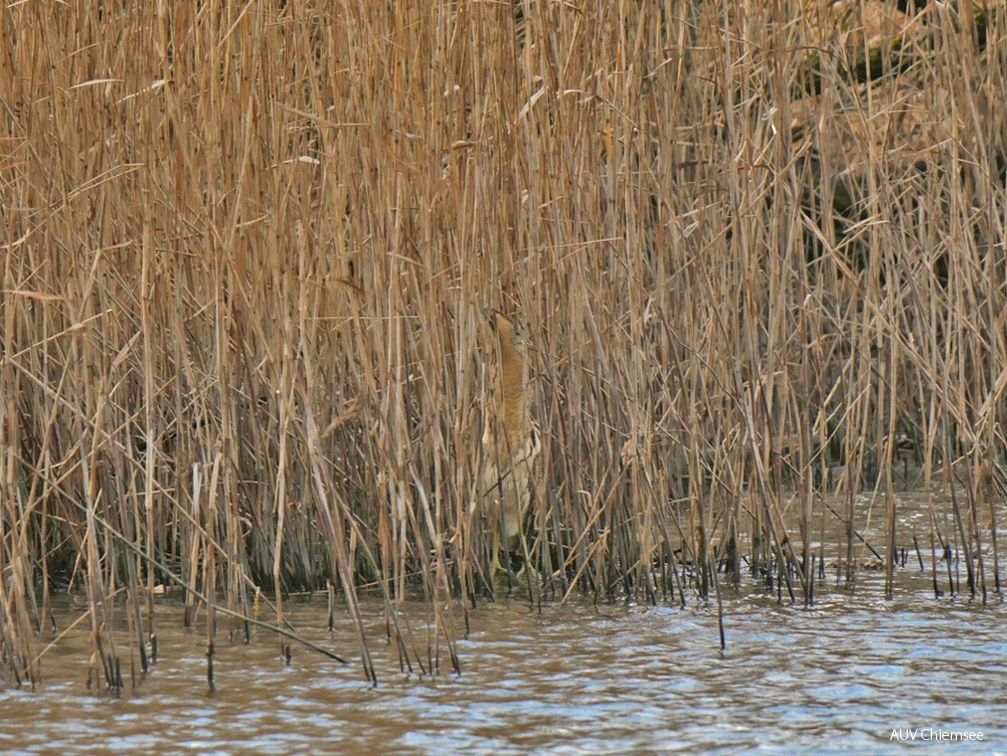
574, 679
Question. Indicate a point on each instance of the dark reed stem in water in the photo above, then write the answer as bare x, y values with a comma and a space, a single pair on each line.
211, 685
990, 486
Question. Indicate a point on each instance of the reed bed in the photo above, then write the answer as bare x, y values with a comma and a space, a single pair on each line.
757, 250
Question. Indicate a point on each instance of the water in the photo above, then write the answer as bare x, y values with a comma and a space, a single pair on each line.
569, 680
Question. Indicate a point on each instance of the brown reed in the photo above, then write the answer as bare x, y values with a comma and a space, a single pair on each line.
246, 247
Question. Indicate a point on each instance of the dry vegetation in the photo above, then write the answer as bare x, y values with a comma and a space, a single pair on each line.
246, 246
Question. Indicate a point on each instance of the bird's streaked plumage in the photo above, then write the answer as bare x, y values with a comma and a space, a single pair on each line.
510, 442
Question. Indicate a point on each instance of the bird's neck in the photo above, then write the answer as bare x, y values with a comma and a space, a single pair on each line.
513, 377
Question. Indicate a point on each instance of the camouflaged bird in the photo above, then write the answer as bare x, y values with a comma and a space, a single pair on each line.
510, 443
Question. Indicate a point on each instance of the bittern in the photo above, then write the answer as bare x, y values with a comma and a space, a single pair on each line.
511, 441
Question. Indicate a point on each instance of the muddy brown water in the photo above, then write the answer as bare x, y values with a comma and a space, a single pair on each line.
840, 677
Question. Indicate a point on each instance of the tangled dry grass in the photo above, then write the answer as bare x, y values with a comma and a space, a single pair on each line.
758, 249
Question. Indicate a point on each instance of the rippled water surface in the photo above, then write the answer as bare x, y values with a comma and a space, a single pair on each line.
570, 679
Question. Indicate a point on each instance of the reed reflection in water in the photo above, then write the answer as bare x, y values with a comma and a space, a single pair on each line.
573, 679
